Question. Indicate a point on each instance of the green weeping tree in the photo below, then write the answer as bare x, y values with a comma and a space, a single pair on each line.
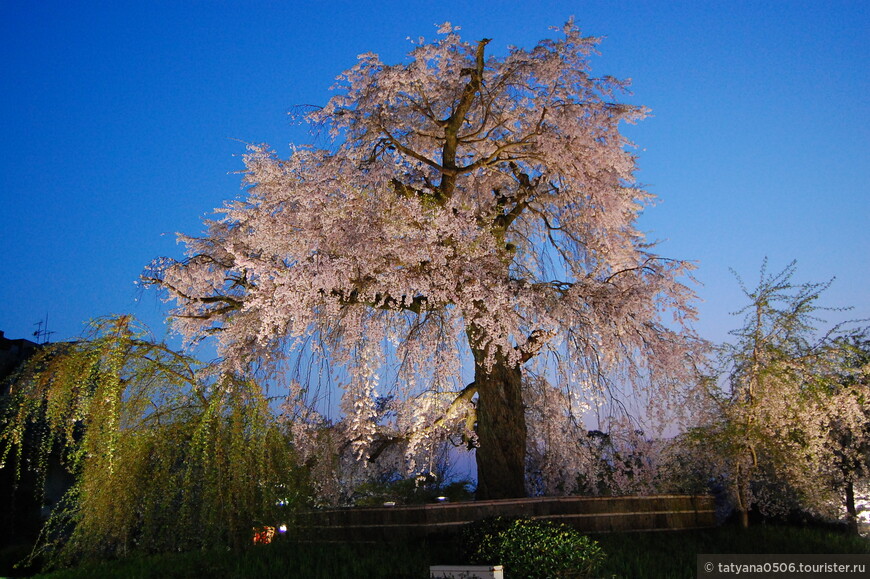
164, 453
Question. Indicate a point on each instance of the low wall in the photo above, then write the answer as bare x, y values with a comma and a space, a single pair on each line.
587, 514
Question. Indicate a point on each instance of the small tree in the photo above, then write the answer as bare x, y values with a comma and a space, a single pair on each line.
776, 408
164, 454
467, 205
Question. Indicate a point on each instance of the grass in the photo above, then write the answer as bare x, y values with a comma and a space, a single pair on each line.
672, 555
327, 560
659, 555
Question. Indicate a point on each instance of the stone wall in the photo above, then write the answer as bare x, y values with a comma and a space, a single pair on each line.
587, 514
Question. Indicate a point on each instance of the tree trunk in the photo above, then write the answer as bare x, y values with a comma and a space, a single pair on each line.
851, 511
743, 497
744, 518
501, 429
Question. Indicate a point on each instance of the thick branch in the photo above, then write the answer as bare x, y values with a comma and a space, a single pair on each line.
521, 200
533, 345
464, 396
454, 123
394, 142
383, 445
231, 303
417, 304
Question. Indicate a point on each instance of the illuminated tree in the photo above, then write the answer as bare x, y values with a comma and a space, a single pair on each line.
786, 416
845, 417
465, 205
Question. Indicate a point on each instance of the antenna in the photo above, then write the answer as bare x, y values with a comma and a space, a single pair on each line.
42, 334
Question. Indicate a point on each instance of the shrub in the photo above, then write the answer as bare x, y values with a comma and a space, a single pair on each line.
530, 548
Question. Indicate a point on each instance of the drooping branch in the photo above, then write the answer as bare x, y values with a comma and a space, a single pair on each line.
380, 446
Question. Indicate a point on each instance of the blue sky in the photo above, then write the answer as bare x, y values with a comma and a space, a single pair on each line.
123, 123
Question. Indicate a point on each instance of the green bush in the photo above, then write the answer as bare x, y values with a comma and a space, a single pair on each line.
530, 548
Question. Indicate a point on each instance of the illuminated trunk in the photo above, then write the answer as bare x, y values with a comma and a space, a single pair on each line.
501, 429
743, 496
851, 511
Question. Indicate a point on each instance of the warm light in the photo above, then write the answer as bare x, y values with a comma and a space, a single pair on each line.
263, 535
282, 528
441, 499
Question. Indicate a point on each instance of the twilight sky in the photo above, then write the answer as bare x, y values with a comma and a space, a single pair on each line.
123, 122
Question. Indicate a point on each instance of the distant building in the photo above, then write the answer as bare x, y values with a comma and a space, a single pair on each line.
20, 505
12, 354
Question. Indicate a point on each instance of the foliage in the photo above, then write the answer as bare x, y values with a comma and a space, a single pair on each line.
165, 455
410, 491
784, 399
472, 533
530, 548
463, 204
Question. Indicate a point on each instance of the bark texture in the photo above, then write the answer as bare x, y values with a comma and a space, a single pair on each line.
851, 510
501, 430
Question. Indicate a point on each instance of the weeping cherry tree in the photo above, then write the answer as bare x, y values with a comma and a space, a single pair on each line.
465, 206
